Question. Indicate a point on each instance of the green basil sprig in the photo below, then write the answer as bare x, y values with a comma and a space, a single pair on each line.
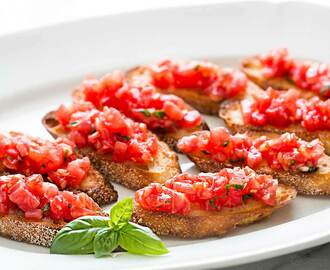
102, 235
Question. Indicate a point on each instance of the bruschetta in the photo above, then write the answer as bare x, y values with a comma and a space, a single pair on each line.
202, 84
33, 211
168, 116
57, 162
279, 70
294, 162
209, 204
121, 149
279, 112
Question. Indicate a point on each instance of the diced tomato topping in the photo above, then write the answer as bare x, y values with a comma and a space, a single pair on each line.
287, 152
201, 76
28, 155
38, 199
108, 131
35, 214
208, 191
140, 102
310, 76
157, 197
283, 108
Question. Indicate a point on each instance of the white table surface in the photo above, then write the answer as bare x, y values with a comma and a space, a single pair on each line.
20, 15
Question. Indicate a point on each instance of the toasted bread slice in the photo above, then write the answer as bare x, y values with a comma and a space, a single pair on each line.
316, 183
129, 174
252, 67
39, 233
94, 185
169, 137
201, 223
230, 112
201, 102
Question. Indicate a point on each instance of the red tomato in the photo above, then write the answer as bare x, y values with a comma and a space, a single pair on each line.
156, 197
287, 152
283, 108
209, 191
199, 76
108, 131
310, 76
139, 102
38, 199
29, 155
35, 214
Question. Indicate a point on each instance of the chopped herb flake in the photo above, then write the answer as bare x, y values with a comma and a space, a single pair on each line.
236, 186
46, 207
159, 114
65, 155
312, 169
246, 197
145, 112
73, 124
212, 203
225, 143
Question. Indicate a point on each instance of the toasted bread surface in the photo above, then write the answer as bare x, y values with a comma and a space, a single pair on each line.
253, 70
196, 99
230, 112
201, 223
129, 174
39, 233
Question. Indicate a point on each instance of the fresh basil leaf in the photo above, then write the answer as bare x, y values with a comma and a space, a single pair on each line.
105, 241
121, 213
140, 240
77, 237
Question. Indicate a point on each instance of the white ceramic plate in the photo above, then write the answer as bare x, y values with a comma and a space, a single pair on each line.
38, 69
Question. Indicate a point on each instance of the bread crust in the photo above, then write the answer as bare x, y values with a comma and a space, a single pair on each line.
201, 102
129, 174
39, 233
201, 223
230, 112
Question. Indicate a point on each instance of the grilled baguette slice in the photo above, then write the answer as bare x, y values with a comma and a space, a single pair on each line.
201, 223
315, 183
203, 103
39, 233
169, 137
129, 174
94, 185
252, 67
230, 112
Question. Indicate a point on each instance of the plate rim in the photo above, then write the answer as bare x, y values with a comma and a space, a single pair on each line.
197, 262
